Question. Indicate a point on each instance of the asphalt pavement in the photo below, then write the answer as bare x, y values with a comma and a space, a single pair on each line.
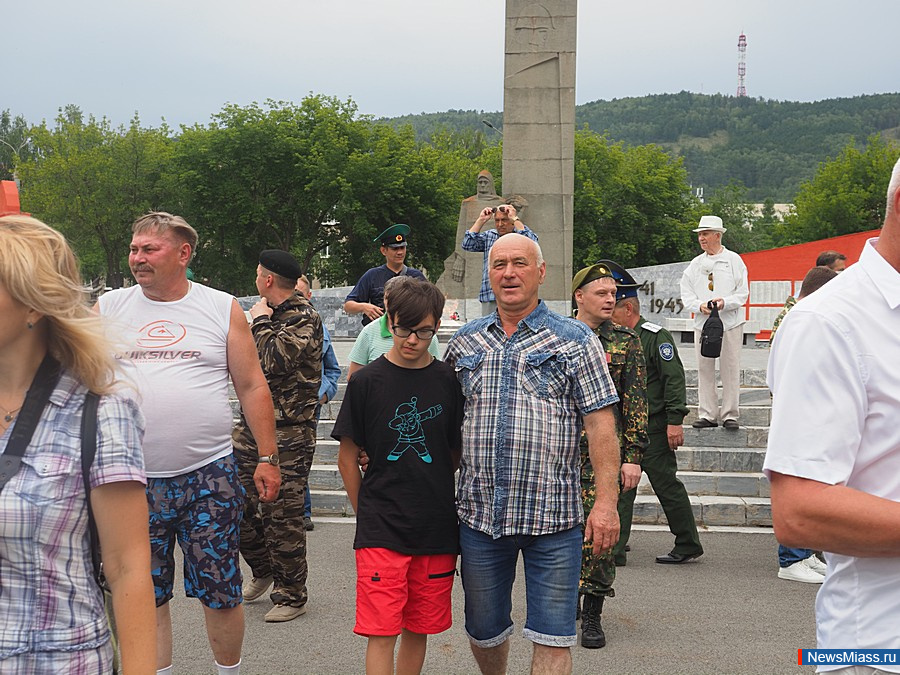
724, 613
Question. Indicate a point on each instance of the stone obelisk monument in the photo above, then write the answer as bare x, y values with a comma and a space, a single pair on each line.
539, 130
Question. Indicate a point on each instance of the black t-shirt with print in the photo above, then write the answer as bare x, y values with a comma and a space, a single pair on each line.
407, 420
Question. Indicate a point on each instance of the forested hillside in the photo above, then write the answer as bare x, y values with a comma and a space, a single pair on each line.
768, 146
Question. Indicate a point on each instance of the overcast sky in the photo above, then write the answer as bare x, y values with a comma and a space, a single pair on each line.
183, 59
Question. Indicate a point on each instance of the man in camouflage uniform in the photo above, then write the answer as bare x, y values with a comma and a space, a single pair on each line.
666, 399
788, 306
594, 294
814, 280
289, 339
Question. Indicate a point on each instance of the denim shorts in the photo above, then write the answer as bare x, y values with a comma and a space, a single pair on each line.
202, 510
552, 567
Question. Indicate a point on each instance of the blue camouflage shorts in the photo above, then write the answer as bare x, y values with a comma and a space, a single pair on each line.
203, 510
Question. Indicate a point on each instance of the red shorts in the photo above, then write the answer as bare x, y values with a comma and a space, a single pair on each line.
396, 591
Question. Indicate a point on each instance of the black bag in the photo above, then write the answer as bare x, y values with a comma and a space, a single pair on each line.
36, 398
712, 333
88, 452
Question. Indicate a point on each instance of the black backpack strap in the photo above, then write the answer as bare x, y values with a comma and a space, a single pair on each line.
88, 451
42, 386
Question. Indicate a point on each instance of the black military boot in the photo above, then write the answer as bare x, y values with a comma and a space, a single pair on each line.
592, 636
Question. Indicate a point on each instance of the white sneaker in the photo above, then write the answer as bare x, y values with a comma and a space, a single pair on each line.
800, 572
254, 588
816, 565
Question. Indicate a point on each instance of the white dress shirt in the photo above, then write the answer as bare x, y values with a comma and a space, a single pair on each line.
836, 384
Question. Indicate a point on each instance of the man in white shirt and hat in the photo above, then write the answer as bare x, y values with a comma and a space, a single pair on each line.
719, 277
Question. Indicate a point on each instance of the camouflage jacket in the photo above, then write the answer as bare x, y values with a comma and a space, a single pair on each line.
788, 305
289, 345
625, 360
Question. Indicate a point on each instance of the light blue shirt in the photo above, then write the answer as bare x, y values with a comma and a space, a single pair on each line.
331, 370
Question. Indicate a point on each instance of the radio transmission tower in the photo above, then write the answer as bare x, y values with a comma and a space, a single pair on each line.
742, 65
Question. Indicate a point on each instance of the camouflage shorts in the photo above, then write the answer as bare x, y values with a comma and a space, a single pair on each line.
202, 509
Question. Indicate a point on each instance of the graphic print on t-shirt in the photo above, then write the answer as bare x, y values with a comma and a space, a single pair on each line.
408, 423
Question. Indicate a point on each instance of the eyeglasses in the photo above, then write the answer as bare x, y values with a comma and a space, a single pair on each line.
421, 333
712, 286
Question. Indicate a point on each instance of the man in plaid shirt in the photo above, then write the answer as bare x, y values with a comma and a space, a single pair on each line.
531, 379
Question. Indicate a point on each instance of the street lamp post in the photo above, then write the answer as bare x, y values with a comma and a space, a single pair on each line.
16, 152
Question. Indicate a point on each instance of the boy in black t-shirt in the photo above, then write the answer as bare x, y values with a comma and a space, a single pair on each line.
405, 410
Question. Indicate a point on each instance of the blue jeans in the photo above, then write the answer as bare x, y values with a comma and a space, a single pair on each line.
788, 556
307, 504
552, 567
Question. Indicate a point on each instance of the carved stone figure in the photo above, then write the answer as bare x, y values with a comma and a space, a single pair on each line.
462, 270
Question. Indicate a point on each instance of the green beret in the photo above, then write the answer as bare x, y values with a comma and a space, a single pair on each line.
589, 274
394, 236
281, 263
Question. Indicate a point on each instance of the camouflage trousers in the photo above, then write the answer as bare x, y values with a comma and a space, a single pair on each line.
598, 572
273, 538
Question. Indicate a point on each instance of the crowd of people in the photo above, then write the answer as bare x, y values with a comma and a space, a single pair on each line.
548, 420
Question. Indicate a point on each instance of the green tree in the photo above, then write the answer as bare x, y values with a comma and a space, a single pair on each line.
303, 177
400, 180
846, 195
632, 205
14, 143
91, 181
264, 177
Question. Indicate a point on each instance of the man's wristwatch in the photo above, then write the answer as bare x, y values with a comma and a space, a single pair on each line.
270, 459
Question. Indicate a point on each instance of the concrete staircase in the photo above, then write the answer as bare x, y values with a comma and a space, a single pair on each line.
722, 470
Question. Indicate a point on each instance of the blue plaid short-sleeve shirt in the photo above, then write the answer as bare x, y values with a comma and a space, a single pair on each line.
525, 398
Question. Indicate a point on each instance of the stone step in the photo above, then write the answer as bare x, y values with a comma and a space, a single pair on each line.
329, 411
700, 454
330, 502
720, 459
710, 511
750, 377
325, 477
689, 458
722, 483
324, 428
719, 437
326, 451
751, 415
746, 396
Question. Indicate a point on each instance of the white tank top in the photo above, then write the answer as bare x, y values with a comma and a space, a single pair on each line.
174, 354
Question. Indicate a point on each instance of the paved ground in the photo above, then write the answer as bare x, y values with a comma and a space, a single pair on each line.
725, 613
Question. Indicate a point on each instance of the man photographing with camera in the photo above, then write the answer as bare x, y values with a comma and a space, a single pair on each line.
505, 222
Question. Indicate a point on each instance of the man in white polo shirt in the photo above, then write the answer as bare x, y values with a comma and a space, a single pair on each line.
834, 443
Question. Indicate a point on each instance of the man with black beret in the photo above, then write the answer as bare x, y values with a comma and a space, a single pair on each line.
594, 293
289, 340
667, 407
367, 297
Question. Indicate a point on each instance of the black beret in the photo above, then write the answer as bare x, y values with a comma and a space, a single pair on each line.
281, 263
